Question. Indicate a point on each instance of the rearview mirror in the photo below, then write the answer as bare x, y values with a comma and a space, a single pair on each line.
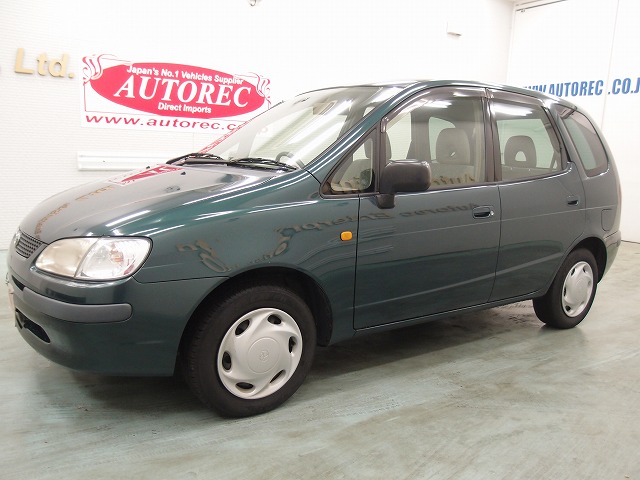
402, 176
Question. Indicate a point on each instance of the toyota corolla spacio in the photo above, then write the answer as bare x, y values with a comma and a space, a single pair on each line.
341, 212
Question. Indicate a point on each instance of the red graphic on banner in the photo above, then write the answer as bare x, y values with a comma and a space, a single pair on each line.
120, 93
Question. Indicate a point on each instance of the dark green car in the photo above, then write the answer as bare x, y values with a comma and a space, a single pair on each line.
340, 212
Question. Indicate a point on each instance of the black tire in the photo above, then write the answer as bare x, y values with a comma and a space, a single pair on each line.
251, 351
571, 294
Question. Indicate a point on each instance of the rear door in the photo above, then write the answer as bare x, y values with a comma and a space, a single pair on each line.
541, 194
437, 250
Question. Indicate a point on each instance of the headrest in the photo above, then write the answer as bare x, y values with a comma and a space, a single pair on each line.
452, 146
520, 144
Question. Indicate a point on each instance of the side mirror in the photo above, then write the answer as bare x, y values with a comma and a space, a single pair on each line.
403, 176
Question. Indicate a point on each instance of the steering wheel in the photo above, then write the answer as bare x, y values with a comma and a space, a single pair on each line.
289, 155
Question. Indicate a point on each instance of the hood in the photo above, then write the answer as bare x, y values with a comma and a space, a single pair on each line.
100, 208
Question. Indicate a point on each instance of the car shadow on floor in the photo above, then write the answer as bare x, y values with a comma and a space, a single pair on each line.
384, 347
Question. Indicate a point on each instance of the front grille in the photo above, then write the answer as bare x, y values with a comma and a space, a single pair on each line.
27, 245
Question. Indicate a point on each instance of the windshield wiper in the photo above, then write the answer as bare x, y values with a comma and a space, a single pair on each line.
267, 162
197, 158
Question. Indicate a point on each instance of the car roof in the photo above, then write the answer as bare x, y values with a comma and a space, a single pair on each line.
421, 84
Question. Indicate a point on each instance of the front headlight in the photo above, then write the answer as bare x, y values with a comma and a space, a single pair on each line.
106, 258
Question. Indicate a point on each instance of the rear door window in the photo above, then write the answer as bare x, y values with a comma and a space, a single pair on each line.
528, 143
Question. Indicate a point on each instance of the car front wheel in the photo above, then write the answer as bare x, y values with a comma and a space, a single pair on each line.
571, 294
250, 352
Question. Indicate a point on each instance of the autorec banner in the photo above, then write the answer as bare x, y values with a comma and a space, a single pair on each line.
145, 95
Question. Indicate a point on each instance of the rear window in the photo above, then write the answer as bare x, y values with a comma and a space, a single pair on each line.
587, 142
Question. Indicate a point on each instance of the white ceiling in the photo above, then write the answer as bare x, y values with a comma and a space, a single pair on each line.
542, 2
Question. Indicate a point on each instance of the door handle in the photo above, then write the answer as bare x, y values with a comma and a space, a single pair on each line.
483, 212
573, 200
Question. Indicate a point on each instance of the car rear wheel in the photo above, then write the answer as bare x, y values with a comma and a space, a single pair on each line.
571, 294
250, 352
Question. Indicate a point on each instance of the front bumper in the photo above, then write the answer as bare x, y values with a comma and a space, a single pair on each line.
118, 328
69, 312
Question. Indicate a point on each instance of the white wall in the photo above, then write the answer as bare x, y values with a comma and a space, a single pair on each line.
597, 42
297, 44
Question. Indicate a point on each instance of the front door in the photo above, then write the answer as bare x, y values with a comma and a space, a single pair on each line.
437, 250
433, 252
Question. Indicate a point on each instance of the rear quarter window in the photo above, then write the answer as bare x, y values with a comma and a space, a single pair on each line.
587, 142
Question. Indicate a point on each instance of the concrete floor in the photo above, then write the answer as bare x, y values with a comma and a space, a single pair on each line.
481, 396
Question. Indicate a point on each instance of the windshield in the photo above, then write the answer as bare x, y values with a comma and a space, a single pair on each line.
295, 132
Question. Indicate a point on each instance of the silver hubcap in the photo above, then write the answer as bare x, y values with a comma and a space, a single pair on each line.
259, 353
577, 289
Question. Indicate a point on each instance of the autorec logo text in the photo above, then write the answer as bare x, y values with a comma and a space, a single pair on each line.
113, 86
